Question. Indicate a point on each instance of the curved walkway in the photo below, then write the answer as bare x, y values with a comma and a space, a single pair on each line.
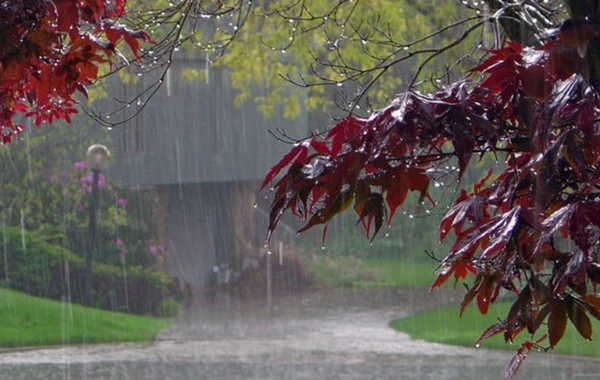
325, 335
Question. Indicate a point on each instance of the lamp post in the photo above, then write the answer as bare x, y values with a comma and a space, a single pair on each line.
96, 159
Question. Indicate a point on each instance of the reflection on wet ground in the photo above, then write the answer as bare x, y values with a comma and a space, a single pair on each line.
340, 334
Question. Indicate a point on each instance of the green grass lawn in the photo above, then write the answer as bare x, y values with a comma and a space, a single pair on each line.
351, 271
445, 326
31, 321
402, 272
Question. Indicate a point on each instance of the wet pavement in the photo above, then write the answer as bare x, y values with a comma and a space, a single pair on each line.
321, 335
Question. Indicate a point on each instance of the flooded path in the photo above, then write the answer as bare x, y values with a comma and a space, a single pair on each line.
325, 335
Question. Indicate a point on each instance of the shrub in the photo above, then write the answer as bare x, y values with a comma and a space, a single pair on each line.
170, 308
134, 289
31, 265
291, 277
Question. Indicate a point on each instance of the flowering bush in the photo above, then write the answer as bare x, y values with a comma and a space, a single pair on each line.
40, 270
121, 238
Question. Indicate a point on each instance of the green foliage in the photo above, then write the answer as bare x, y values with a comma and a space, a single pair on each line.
31, 265
29, 195
38, 268
170, 308
44, 186
292, 39
130, 246
31, 321
135, 289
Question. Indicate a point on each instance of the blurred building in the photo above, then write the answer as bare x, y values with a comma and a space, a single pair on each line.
205, 157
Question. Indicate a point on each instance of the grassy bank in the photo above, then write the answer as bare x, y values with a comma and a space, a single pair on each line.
444, 326
351, 271
27, 321
402, 272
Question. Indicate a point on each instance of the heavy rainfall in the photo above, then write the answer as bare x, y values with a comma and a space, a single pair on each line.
137, 242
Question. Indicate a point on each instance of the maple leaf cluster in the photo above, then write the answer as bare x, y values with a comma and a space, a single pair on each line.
532, 108
50, 51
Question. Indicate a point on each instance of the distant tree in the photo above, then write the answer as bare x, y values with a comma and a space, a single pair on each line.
345, 44
531, 226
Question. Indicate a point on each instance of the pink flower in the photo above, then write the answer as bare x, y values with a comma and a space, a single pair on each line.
88, 178
121, 202
80, 165
119, 243
157, 250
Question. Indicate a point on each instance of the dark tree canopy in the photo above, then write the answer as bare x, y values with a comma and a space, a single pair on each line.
531, 225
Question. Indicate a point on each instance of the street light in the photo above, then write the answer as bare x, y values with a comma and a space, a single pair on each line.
96, 159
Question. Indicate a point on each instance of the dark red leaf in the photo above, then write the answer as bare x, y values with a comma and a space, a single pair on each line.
574, 219
579, 318
491, 331
115, 32
592, 304
472, 293
539, 319
441, 278
398, 181
68, 14
394, 197
372, 209
488, 293
297, 154
320, 146
499, 57
516, 361
496, 234
467, 208
515, 317
557, 322
343, 132
324, 215
535, 80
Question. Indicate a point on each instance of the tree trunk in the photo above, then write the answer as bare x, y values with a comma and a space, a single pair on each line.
243, 221
162, 222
